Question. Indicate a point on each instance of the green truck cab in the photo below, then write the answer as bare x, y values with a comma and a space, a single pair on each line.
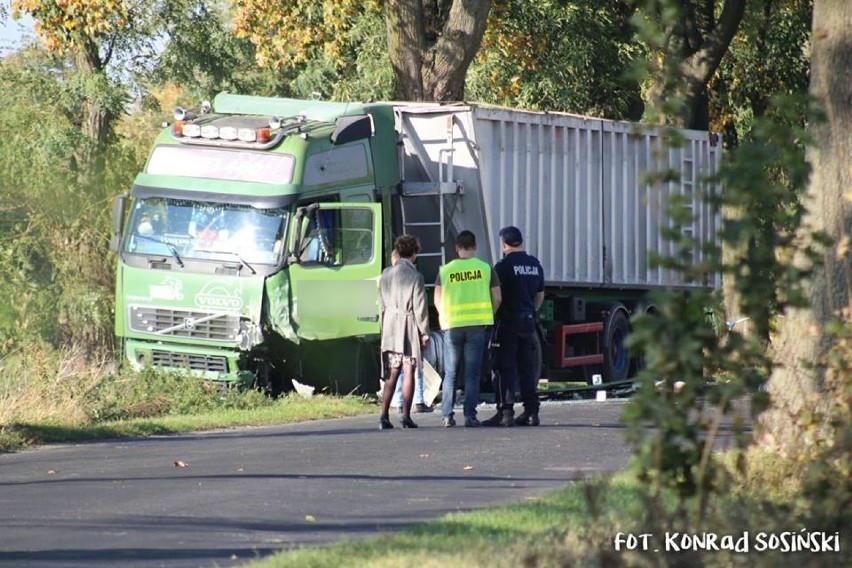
253, 233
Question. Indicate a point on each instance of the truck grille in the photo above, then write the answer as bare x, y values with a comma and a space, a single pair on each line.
189, 361
185, 323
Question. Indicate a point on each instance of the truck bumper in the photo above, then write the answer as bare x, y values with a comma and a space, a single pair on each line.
212, 364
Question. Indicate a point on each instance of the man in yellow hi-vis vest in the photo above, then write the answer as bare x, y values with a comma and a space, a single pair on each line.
467, 294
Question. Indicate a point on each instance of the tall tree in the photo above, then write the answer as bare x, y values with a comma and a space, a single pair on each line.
697, 41
558, 55
92, 34
797, 382
431, 43
768, 56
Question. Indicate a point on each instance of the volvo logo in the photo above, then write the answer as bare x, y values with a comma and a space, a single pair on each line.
189, 323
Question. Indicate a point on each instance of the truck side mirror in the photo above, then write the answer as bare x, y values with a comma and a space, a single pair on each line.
118, 208
351, 128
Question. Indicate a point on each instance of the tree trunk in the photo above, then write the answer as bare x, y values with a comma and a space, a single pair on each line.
95, 117
795, 384
431, 47
407, 46
699, 41
706, 42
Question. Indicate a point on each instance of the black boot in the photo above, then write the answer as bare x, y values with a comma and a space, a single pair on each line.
504, 417
494, 420
508, 418
527, 418
385, 423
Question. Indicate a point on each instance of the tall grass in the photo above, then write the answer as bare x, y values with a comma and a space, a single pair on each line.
49, 394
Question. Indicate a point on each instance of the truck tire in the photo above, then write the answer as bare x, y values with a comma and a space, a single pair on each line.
616, 363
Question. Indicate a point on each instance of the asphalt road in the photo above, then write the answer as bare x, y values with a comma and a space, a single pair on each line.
239, 494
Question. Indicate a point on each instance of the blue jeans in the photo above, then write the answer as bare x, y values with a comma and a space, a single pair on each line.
471, 344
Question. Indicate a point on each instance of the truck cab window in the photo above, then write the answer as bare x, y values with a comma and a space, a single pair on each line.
206, 231
339, 237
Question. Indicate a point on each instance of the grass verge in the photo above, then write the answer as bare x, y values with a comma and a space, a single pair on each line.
577, 526
51, 396
281, 411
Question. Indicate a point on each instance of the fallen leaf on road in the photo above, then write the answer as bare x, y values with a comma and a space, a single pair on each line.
310, 518
467, 467
50, 472
424, 456
180, 463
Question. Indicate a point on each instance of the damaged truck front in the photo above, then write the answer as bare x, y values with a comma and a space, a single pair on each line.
250, 246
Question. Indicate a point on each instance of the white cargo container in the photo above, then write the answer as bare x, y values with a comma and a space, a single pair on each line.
576, 186
579, 190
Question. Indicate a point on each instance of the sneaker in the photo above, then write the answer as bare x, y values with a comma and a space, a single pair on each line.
422, 408
527, 419
448, 422
472, 423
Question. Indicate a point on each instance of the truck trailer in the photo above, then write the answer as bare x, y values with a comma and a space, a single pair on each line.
251, 245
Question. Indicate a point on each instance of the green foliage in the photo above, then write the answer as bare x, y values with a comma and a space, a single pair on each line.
55, 228
367, 73
27, 282
565, 56
675, 416
767, 57
49, 394
204, 57
765, 177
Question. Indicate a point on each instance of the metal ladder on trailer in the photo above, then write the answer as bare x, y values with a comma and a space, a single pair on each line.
412, 194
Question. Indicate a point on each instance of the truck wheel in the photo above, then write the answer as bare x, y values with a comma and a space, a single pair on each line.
616, 363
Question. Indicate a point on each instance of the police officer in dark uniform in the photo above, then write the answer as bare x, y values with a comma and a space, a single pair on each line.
513, 341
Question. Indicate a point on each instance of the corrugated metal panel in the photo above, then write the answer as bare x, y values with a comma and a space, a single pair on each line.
542, 173
634, 208
574, 185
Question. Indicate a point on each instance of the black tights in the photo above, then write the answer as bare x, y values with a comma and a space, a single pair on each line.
407, 389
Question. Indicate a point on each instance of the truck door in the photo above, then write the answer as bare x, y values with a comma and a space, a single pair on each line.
335, 266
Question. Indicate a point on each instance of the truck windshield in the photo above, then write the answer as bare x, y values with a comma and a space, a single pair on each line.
191, 230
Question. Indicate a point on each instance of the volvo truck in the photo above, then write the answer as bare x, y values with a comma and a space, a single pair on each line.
251, 245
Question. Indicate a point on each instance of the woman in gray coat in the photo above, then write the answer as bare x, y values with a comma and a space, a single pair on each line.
405, 326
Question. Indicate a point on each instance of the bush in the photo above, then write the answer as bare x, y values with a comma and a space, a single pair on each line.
45, 386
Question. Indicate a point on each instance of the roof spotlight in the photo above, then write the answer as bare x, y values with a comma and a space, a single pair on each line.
180, 114
205, 107
274, 122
